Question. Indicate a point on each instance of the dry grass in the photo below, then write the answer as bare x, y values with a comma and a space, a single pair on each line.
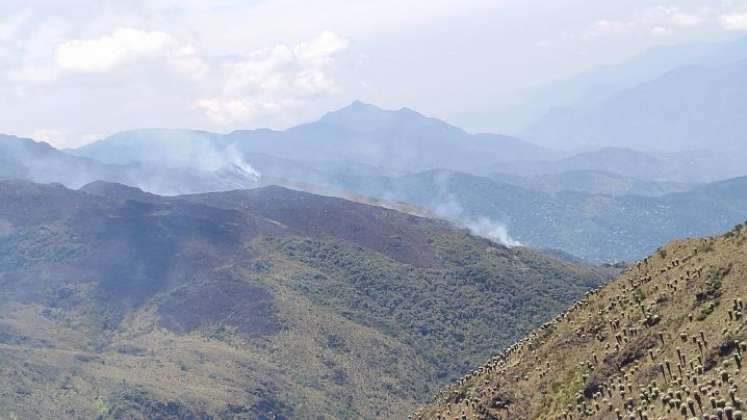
603, 360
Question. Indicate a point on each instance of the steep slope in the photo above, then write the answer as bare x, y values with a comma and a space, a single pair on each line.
665, 340
265, 303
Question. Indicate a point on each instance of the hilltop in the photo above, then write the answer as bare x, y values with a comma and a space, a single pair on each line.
664, 340
258, 304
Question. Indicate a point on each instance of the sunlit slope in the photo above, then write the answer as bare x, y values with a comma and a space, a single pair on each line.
664, 341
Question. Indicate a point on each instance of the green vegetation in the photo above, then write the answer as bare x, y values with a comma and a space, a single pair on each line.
259, 304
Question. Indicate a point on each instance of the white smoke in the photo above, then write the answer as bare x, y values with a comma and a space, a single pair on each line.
496, 232
235, 158
160, 161
447, 206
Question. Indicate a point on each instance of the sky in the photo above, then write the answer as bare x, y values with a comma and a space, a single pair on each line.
76, 71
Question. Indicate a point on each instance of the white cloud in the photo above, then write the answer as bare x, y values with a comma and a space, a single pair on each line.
606, 26
660, 31
274, 81
186, 61
6, 31
322, 49
734, 21
11, 25
680, 18
657, 20
190, 67
109, 51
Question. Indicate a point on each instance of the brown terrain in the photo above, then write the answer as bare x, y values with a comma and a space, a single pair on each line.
666, 340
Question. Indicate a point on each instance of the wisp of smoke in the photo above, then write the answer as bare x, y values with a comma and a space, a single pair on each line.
447, 205
494, 231
234, 157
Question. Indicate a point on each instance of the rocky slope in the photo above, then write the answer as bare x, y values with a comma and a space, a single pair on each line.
666, 340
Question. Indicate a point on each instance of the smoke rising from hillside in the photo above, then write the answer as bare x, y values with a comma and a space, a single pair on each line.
496, 232
448, 206
167, 164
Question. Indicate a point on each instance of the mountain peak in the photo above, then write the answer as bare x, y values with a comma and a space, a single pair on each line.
361, 116
356, 107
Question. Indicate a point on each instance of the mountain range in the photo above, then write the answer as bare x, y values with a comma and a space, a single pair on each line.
604, 205
388, 143
693, 107
599, 84
393, 141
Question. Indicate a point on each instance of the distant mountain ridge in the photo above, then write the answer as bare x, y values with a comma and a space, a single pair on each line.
596, 85
597, 204
594, 182
402, 140
688, 108
27, 159
593, 226
695, 166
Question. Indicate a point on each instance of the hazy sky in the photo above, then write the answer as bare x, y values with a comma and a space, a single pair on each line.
78, 70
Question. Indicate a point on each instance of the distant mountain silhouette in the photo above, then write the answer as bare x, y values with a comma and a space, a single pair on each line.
598, 84
689, 108
401, 140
